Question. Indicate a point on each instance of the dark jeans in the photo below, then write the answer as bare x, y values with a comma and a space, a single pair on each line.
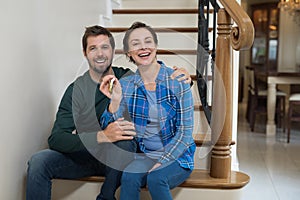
49, 164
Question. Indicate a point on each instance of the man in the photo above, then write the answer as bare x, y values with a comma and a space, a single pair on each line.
77, 145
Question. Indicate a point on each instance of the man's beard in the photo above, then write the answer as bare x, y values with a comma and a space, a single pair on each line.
100, 71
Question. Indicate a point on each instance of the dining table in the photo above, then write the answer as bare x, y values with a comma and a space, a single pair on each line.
283, 76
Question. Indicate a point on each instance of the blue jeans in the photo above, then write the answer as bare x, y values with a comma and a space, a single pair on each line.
159, 181
48, 164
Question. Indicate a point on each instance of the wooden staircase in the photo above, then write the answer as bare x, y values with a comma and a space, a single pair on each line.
219, 175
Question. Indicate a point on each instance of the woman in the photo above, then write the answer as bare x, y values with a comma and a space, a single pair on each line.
162, 111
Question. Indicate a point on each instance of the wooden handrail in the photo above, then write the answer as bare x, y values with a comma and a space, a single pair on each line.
242, 36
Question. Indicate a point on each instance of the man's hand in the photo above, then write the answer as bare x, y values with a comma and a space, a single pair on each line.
181, 74
116, 131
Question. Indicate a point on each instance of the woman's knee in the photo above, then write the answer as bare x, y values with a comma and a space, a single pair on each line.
126, 177
130, 179
154, 179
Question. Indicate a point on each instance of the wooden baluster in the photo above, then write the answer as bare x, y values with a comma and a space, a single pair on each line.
222, 105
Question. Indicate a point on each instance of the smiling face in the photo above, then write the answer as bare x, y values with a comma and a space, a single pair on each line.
99, 54
142, 47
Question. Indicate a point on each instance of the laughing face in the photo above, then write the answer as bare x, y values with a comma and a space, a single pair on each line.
99, 54
142, 48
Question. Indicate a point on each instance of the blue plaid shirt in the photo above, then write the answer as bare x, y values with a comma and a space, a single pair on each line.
176, 114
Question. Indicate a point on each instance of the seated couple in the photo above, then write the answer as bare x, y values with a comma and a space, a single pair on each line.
136, 134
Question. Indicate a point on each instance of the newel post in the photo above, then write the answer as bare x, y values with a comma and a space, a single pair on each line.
221, 123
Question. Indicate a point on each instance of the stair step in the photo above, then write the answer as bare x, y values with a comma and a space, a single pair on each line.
160, 29
158, 11
168, 51
155, 11
199, 107
154, 4
199, 178
202, 139
194, 77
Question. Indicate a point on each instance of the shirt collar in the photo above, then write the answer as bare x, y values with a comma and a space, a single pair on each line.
160, 77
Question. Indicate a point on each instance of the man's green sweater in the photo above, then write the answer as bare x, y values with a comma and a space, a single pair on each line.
77, 118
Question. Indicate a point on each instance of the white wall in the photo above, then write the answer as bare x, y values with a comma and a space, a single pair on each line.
40, 55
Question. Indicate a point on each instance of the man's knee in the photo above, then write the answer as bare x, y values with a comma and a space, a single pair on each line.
37, 161
40, 162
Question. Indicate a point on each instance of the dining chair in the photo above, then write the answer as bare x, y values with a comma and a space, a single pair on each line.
293, 112
257, 100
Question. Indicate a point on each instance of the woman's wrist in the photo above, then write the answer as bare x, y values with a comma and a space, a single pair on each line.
113, 106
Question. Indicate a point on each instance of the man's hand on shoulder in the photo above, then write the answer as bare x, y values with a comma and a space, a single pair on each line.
181, 74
